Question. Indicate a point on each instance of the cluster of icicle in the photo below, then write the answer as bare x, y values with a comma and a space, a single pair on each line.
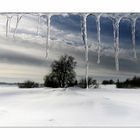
115, 22
19, 17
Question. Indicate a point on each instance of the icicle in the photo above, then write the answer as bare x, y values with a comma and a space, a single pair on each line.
84, 37
98, 37
7, 25
116, 23
38, 25
10, 18
114, 35
17, 23
48, 18
133, 24
7, 21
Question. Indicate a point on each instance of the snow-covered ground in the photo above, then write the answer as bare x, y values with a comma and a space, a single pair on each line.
47, 107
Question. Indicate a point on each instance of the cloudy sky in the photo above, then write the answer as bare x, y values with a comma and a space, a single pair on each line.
23, 58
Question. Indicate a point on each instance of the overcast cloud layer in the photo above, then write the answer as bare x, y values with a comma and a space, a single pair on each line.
24, 58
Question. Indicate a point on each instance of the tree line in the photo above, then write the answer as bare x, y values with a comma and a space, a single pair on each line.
63, 75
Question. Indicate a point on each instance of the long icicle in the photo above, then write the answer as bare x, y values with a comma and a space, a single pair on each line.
116, 23
98, 37
84, 37
48, 18
7, 25
38, 25
133, 25
17, 23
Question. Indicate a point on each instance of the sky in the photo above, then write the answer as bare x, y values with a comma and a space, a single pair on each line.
23, 58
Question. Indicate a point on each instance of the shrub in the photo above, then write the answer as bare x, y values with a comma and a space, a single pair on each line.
91, 82
106, 82
129, 83
51, 81
28, 84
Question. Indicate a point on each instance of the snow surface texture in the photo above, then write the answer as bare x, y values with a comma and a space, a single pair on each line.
72, 107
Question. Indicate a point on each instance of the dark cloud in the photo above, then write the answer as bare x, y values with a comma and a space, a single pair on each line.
12, 57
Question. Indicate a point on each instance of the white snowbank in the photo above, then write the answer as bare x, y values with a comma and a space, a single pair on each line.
49, 107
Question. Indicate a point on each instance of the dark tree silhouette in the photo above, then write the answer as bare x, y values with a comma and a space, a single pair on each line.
106, 82
129, 83
91, 82
62, 74
28, 84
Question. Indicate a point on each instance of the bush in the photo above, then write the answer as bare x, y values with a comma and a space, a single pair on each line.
62, 73
91, 82
28, 84
106, 82
51, 81
129, 83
